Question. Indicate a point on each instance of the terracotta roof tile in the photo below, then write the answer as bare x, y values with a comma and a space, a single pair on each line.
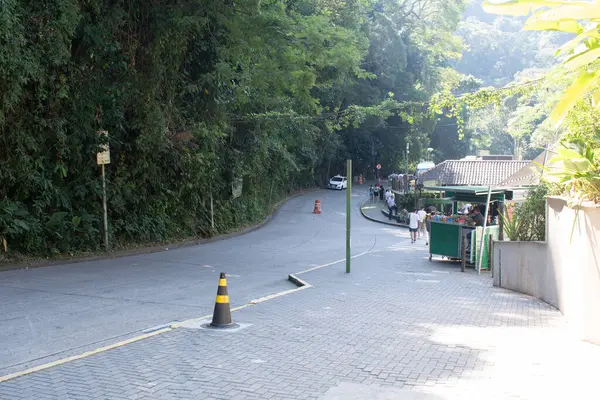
473, 173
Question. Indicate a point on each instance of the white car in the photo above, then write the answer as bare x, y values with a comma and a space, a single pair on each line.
338, 182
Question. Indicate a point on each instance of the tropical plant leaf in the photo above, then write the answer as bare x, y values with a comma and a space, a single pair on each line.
536, 24
572, 95
576, 10
518, 8
511, 225
576, 170
21, 224
582, 164
596, 98
577, 165
580, 38
565, 153
583, 58
553, 177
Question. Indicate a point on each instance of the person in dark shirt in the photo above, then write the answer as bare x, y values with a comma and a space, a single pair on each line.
476, 217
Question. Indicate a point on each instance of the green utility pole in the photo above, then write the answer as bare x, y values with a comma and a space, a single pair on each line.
407, 188
348, 212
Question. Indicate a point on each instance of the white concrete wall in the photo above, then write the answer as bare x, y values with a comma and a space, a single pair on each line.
522, 267
563, 271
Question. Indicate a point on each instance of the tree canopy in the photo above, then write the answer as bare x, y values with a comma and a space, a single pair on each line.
196, 95
510, 65
577, 162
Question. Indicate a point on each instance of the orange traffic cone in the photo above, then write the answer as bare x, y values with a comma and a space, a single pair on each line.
317, 209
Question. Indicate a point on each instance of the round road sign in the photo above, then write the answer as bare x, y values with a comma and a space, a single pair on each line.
378, 166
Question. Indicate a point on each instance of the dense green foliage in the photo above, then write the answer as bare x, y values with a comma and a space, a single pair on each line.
575, 169
410, 200
196, 94
533, 213
500, 54
527, 222
498, 49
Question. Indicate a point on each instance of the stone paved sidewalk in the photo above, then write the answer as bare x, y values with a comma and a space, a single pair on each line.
397, 326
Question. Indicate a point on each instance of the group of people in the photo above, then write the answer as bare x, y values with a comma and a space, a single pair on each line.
419, 220
378, 192
416, 219
403, 182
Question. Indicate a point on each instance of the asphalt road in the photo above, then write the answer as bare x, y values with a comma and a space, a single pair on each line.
52, 312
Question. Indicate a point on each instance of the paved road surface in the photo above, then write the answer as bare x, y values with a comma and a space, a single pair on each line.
397, 327
58, 309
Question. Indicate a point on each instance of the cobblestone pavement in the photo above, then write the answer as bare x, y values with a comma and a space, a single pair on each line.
397, 327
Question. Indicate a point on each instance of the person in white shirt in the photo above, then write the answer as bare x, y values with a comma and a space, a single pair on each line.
422, 214
389, 195
392, 206
466, 209
413, 225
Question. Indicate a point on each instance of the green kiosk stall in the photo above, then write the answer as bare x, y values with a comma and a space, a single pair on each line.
449, 234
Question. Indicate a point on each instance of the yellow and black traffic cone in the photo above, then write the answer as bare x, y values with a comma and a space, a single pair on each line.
222, 314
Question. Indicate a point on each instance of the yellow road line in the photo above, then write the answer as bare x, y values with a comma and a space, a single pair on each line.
204, 318
179, 324
333, 263
103, 349
82, 355
239, 308
275, 295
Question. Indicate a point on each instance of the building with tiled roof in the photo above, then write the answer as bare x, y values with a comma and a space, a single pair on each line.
531, 175
472, 172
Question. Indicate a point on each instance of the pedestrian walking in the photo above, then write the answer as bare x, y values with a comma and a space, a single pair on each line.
428, 218
413, 225
422, 214
393, 208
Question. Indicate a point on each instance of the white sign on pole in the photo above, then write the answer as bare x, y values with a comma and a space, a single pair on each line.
103, 157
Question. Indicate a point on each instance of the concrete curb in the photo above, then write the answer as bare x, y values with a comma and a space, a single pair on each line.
379, 221
297, 281
154, 249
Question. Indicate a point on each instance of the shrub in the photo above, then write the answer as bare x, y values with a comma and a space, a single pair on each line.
409, 200
528, 221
